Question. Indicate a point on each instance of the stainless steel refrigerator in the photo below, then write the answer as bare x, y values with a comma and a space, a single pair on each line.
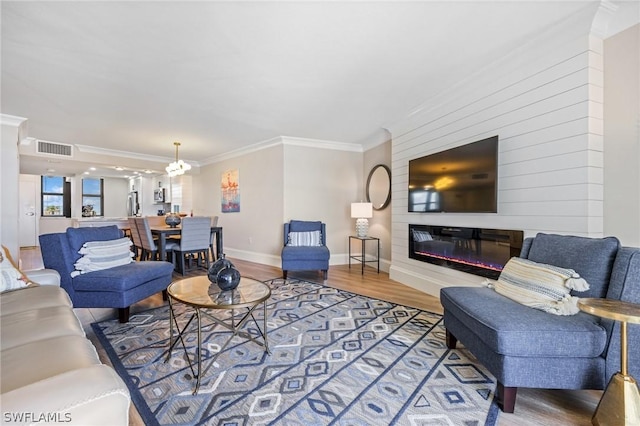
133, 204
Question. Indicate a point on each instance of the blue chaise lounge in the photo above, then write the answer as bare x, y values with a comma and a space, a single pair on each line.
526, 347
117, 287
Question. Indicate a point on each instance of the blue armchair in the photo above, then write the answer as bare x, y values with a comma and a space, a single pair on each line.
305, 247
525, 347
117, 287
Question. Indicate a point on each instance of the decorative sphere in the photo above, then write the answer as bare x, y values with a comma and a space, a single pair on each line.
172, 219
228, 278
217, 266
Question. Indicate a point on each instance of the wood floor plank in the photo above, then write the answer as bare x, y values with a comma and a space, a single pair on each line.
534, 407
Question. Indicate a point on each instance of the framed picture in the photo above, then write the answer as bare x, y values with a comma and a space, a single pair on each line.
230, 188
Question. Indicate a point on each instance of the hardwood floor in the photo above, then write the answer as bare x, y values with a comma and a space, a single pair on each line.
534, 407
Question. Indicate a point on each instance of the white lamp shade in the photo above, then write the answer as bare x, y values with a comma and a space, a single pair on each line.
364, 210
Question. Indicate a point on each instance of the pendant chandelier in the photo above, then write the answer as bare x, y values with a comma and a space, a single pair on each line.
178, 167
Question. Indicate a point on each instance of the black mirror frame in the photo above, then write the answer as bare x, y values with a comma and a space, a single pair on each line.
388, 200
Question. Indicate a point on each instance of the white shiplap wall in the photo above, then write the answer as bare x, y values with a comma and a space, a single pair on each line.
545, 103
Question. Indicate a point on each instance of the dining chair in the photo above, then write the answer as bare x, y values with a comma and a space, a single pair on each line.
135, 237
149, 246
212, 238
195, 239
155, 220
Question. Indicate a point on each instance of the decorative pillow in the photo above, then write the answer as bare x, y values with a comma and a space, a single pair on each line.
421, 236
540, 286
12, 277
99, 255
309, 238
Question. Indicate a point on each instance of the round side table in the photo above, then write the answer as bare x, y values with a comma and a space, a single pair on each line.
620, 402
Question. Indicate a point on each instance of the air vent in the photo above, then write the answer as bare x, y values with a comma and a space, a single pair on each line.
53, 148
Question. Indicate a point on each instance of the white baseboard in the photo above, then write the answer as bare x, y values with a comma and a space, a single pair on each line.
252, 256
427, 284
273, 260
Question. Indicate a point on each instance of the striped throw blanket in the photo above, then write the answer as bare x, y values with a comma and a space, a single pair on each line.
540, 286
99, 255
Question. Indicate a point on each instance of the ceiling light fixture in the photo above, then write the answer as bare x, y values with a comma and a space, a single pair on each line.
178, 167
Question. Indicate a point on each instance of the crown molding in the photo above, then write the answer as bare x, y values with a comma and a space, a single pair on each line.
284, 140
242, 151
11, 120
27, 141
378, 138
322, 144
127, 154
602, 18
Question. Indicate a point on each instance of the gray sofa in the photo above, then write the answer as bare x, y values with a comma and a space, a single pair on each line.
525, 347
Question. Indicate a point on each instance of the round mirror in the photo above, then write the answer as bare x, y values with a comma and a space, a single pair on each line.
379, 187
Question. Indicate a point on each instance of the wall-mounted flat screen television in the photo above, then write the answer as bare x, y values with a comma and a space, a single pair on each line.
459, 180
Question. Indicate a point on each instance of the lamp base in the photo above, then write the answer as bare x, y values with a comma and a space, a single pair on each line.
362, 227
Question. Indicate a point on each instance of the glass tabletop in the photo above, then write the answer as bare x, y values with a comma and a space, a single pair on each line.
202, 293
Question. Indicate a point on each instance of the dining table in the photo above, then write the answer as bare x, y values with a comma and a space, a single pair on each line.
164, 231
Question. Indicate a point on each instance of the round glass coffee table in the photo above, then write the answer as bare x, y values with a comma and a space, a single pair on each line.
202, 295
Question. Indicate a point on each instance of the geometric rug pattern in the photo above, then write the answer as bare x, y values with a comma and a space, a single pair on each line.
337, 358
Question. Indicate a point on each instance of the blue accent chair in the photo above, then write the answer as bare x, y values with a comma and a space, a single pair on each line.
305, 258
525, 347
118, 287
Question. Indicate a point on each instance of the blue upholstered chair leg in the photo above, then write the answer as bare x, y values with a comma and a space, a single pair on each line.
123, 314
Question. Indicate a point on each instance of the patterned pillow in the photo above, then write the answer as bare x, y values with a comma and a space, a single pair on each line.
540, 286
99, 255
308, 238
12, 277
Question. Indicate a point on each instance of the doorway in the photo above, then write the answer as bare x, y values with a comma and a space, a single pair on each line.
28, 218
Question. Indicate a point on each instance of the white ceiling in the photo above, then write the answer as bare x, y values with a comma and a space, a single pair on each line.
221, 76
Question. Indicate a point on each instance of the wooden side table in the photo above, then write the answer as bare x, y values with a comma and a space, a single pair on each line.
620, 402
361, 258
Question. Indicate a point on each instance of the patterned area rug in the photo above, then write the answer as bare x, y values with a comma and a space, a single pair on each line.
336, 358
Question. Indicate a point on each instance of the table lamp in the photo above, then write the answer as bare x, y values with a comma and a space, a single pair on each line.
361, 212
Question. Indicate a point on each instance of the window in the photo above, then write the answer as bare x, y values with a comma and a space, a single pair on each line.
427, 200
92, 199
56, 196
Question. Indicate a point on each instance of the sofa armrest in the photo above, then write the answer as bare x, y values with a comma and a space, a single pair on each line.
93, 395
44, 276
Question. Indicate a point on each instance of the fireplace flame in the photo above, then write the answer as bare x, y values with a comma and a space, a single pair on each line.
476, 263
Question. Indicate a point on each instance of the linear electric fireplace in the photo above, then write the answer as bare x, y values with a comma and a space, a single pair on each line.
479, 251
